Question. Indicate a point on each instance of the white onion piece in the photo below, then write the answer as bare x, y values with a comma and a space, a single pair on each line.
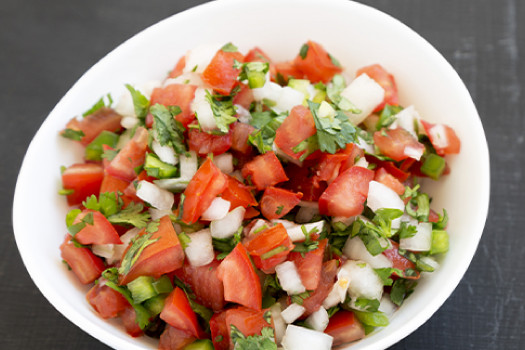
381, 196
269, 91
190, 78
198, 58
413, 152
154, 195
365, 146
296, 232
289, 278
421, 241
300, 338
125, 107
217, 210
148, 87
117, 250
105, 251
199, 250
165, 153
406, 119
202, 109
287, 224
292, 312
362, 163
278, 322
176, 184
128, 122
439, 137
188, 165
258, 226
227, 226
224, 162
318, 320
365, 94
365, 283
159, 213
355, 249
387, 306
338, 293
243, 115
288, 99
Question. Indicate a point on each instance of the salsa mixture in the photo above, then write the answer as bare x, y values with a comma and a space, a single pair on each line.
243, 203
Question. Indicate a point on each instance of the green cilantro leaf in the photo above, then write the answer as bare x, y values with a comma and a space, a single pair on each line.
385, 273
442, 222
76, 135
387, 116
304, 51
419, 207
406, 231
223, 111
101, 103
169, 131
108, 203
401, 289
152, 226
229, 47
308, 244
266, 124
226, 245
265, 341
374, 319
410, 192
138, 244
299, 298
140, 102
184, 239
131, 215
72, 228
370, 305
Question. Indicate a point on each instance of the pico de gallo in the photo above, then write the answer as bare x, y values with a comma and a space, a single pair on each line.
243, 203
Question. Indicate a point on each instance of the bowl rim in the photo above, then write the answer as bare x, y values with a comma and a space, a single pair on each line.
108, 337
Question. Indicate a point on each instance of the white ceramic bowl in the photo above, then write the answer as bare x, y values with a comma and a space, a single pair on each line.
357, 35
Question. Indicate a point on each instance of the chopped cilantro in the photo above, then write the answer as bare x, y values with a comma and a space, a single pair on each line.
229, 47
99, 104
265, 341
140, 102
131, 215
385, 273
401, 289
138, 244
65, 191
406, 231
442, 221
152, 226
387, 116
419, 207
279, 210
299, 298
109, 154
108, 203
169, 131
223, 110
76, 135
184, 239
73, 228
309, 244
373, 319
369, 305
226, 245
410, 192
304, 51
266, 124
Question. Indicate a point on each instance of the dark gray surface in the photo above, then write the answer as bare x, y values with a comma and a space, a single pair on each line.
46, 45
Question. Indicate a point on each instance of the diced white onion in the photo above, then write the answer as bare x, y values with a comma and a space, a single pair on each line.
287, 224
326, 110
158, 213
269, 91
217, 210
125, 107
439, 137
288, 99
361, 143
188, 165
258, 226
421, 241
148, 87
198, 58
413, 152
362, 163
202, 109
165, 153
278, 322
243, 115
296, 232
381, 196
318, 320
128, 122
365, 94
103, 250
227, 226
430, 261
292, 312
154, 195
338, 293
117, 250
406, 120
176, 184
224, 162
289, 278
190, 78
200, 249
365, 283
387, 306
300, 338
355, 249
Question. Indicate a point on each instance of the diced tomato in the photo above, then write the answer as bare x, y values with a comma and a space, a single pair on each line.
274, 239
277, 202
297, 127
176, 95
244, 97
251, 212
163, 256
390, 181
204, 143
204, 282
344, 327
205, 185
241, 283
317, 64
443, 138
304, 180
175, 339
131, 156
220, 74
86, 265
399, 261
240, 135
93, 124
247, 321
238, 194
346, 195
387, 82
129, 320
284, 71
107, 302
264, 170
179, 67
310, 266
354, 152
84, 180
178, 313
392, 143
100, 232
406, 164
113, 184
330, 166
257, 55
315, 300
433, 216
131, 191
391, 168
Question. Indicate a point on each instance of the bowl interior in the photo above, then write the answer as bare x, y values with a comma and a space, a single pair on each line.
357, 35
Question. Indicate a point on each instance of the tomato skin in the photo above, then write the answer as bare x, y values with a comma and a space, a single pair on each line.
304, 180
241, 283
392, 143
285, 71
391, 168
86, 265
84, 180
399, 261
353, 151
265, 241
315, 300
220, 74
101, 232
238, 194
204, 143
387, 82
205, 185
161, 257
178, 313
129, 320
297, 127
113, 184
131, 156
176, 95
174, 339
277, 202
453, 143
310, 266
204, 282
264, 170
251, 212
390, 181
244, 97
344, 327
93, 124
240, 135
330, 166
179, 67
107, 302
346, 195
257, 55
316, 65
